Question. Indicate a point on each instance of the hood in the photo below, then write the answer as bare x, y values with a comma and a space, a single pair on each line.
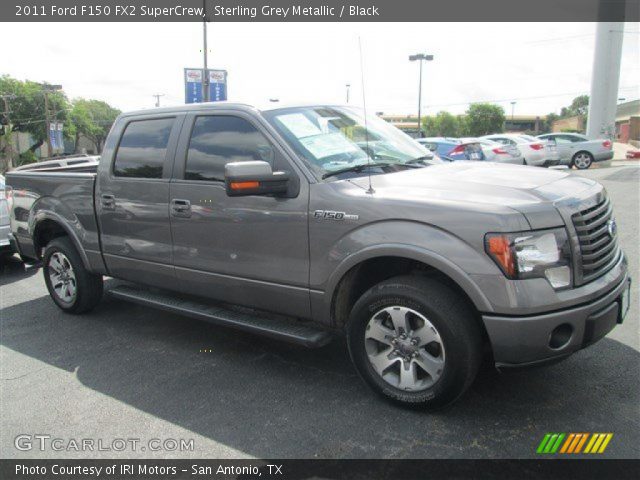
485, 186
479, 182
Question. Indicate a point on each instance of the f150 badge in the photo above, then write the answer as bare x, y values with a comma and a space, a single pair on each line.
331, 215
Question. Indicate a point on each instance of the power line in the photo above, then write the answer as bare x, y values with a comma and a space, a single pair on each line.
537, 97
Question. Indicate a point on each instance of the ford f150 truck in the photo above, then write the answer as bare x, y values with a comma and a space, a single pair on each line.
299, 222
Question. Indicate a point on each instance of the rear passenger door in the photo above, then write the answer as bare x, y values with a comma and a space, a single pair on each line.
563, 144
248, 250
132, 199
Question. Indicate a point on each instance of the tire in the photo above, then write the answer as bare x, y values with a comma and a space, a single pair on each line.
62, 264
453, 354
582, 160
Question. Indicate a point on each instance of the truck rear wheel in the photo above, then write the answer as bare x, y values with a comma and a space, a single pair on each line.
415, 341
71, 286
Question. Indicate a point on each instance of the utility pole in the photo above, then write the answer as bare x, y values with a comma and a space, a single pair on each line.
47, 123
46, 89
205, 74
157, 96
7, 121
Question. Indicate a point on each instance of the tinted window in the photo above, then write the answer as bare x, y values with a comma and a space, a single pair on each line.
218, 140
574, 138
143, 149
560, 139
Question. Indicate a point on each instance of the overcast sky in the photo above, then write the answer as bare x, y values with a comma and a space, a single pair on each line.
541, 66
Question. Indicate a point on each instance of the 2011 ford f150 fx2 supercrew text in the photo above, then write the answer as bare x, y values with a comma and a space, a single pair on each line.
298, 222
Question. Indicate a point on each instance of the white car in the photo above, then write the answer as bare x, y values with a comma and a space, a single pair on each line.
499, 152
536, 152
5, 243
578, 151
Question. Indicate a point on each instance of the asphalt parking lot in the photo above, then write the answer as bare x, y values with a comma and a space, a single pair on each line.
128, 372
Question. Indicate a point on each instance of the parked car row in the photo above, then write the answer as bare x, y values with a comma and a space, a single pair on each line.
551, 149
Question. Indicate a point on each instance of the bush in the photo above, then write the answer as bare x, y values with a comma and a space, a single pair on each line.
26, 158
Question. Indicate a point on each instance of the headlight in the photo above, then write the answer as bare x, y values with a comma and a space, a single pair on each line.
536, 254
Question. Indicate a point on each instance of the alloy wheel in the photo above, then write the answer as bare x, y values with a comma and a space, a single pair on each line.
404, 348
62, 277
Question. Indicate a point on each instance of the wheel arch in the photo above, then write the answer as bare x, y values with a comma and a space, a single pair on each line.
361, 271
48, 225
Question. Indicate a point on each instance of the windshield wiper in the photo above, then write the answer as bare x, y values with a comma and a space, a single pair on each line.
418, 160
356, 168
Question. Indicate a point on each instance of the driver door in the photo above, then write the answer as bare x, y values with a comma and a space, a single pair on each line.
247, 250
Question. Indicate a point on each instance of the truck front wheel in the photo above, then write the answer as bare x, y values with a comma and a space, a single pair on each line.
415, 341
71, 286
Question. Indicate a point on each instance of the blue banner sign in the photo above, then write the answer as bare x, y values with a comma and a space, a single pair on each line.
192, 85
60, 136
217, 85
217, 80
53, 137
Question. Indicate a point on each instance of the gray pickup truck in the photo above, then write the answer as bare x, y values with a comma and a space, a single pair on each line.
300, 222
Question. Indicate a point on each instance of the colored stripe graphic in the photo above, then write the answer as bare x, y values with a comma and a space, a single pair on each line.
598, 443
550, 443
573, 443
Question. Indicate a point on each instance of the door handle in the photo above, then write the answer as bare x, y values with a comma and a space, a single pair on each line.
108, 202
181, 208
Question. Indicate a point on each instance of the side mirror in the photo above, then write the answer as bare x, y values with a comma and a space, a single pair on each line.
254, 178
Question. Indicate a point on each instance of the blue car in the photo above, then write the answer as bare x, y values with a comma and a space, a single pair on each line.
453, 148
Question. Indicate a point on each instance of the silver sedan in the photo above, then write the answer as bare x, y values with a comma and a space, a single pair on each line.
501, 153
578, 151
536, 152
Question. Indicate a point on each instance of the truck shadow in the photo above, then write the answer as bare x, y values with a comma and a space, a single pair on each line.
267, 399
12, 269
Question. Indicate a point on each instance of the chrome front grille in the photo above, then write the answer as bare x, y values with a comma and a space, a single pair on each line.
598, 241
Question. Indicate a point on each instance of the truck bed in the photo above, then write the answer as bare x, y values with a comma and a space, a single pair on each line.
61, 193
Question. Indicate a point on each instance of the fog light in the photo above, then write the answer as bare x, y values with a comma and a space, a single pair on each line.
560, 336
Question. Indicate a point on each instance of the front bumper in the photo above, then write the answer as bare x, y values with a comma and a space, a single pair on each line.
528, 340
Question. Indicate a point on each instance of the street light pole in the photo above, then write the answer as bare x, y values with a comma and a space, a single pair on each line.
205, 76
420, 57
348, 85
513, 106
157, 97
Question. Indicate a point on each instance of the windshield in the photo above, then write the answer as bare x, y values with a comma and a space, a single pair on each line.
331, 139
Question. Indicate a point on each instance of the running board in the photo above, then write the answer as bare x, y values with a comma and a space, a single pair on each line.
274, 326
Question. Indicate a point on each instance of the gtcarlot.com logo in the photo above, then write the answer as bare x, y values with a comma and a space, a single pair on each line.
42, 442
572, 443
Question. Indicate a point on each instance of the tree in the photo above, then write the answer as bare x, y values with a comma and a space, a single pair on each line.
443, 124
579, 107
93, 119
27, 106
548, 123
483, 119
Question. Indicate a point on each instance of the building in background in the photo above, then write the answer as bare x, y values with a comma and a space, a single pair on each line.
628, 123
531, 124
570, 124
